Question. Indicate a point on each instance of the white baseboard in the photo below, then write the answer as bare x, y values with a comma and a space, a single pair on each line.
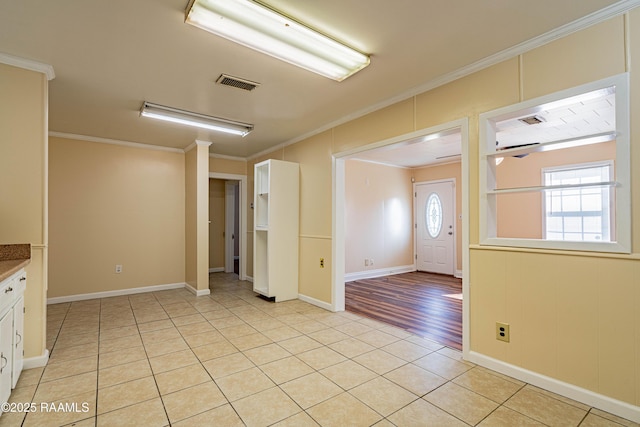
249, 279
316, 302
36, 362
588, 397
458, 274
370, 274
119, 292
216, 270
197, 292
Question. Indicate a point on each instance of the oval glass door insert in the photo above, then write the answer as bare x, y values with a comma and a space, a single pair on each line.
433, 215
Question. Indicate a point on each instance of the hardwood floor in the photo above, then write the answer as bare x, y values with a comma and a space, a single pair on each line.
412, 301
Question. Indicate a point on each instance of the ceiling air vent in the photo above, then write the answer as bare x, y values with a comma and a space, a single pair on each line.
532, 120
228, 80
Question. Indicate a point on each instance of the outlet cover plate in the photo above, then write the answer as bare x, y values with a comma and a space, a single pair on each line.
502, 332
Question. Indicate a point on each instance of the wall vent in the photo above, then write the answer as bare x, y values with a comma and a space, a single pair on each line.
237, 82
532, 120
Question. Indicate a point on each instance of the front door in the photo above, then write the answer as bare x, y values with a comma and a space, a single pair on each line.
435, 212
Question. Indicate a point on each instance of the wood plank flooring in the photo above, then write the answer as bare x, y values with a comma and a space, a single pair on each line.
411, 301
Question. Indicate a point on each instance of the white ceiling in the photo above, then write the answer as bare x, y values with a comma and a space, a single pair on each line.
570, 120
111, 55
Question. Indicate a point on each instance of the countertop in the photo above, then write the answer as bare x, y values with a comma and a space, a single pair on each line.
13, 258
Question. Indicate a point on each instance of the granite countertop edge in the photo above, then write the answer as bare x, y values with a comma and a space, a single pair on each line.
13, 258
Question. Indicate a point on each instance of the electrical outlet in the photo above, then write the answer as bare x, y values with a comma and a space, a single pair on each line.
321, 262
371, 261
502, 332
118, 268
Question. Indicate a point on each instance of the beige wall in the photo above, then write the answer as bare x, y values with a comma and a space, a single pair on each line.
196, 209
217, 223
112, 204
540, 294
447, 171
573, 316
314, 157
379, 216
230, 166
23, 192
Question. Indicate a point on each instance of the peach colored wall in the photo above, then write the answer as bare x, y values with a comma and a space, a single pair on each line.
448, 171
109, 205
217, 223
23, 192
520, 214
379, 216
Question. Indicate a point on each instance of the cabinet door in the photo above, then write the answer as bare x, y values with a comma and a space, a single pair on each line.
6, 350
18, 341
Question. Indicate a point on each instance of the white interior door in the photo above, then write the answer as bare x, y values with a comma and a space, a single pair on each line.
435, 227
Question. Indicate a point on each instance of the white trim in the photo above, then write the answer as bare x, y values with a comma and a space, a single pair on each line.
338, 234
458, 274
466, 334
216, 270
195, 144
588, 397
315, 302
196, 292
28, 64
611, 205
487, 170
117, 293
338, 209
390, 165
230, 218
243, 217
226, 157
248, 279
114, 142
601, 15
36, 362
370, 274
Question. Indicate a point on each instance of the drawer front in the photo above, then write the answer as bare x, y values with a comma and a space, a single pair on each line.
8, 291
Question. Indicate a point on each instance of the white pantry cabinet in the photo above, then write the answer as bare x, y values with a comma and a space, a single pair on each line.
11, 332
276, 203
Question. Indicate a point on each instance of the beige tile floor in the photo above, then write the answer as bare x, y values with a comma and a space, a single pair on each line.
233, 359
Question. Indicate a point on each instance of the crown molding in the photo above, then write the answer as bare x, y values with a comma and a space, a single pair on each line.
114, 142
597, 17
195, 144
28, 64
226, 157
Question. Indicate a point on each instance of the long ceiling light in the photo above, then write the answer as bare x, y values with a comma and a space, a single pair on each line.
188, 118
259, 27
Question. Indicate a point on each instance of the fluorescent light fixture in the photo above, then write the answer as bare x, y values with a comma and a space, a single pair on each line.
259, 27
188, 118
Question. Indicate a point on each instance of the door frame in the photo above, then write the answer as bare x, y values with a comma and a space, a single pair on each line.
338, 217
230, 218
454, 256
243, 217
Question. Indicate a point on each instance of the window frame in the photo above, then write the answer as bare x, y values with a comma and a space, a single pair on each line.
622, 185
573, 167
